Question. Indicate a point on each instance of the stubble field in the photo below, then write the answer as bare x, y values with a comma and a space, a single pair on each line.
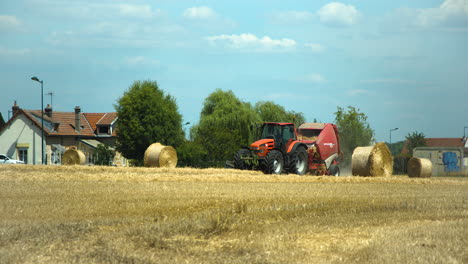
79, 214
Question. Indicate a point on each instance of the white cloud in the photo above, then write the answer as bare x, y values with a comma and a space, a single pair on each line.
206, 18
9, 23
143, 11
251, 42
200, 12
314, 78
95, 10
449, 13
338, 14
315, 47
288, 17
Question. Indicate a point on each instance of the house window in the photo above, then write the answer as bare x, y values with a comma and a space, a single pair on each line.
23, 155
104, 130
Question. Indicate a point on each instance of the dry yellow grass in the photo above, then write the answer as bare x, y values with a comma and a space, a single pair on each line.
79, 214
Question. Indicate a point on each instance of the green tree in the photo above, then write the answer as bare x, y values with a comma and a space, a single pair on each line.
354, 130
271, 112
226, 124
414, 140
146, 115
2, 121
103, 155
191, 154
396, 148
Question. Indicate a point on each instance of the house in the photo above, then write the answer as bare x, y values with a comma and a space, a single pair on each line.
441, 142
20, 137
448, 155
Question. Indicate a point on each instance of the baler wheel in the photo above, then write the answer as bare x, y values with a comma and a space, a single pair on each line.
334, 170
239, 163
298, 163
274, 162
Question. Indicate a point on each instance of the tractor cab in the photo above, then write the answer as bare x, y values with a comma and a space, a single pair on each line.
273, 136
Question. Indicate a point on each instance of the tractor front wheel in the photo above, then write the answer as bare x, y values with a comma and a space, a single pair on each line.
240, 163
274, 163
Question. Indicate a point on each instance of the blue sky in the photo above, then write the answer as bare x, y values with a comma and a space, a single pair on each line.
403, 63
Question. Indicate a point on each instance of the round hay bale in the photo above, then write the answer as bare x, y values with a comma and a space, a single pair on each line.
419, 167
372, 161
73, 156
158, 155
360, 160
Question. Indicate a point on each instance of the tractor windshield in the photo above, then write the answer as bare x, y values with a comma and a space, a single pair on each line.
278, 132
271, 131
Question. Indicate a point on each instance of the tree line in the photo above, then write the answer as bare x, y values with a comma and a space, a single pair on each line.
147, 114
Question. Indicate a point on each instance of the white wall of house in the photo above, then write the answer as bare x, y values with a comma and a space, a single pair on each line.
20, 135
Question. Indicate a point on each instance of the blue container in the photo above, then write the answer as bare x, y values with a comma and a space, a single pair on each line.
450, 161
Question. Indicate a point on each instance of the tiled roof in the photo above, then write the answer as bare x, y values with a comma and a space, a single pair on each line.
63, 123
107, 119
445, 142
439, 142
93, 118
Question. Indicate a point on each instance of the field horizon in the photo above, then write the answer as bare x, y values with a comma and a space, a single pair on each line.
98, 214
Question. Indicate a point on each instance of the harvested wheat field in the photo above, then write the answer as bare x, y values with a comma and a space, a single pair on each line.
80, 214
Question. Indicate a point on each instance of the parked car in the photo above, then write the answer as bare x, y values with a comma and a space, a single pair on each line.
4, 159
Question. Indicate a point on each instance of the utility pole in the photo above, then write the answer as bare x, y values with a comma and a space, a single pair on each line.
396, 128
42, 111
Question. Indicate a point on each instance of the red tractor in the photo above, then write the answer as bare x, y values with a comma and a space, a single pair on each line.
313, 147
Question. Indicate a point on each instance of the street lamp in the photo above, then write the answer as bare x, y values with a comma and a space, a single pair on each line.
396, 128
42, 110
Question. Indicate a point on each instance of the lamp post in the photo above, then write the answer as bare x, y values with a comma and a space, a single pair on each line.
42, 111
396, 128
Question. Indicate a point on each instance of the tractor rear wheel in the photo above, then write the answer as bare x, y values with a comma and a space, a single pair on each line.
298, 164
240, 163
273, 163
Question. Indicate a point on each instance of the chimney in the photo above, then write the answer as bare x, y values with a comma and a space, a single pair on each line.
15, 108
48, 111
78, 119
